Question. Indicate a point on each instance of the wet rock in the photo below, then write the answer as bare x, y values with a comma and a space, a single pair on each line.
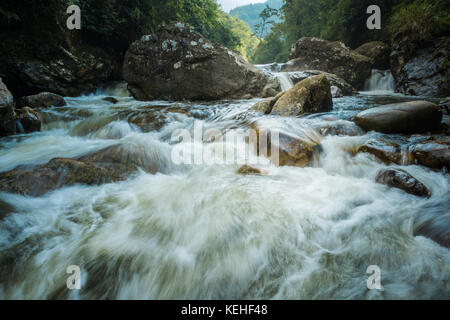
420, 66
433, 154
400, 179
178, 63
56, 174
41, 100
332, 57
264, 106
111, 164
407, 117
29, 119
379, 52
335, 81
247, 170
111, 99
7, 111
386, 149
147, 121
311, 95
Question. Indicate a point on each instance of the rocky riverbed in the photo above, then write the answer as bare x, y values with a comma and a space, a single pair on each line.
98, 188
206, 177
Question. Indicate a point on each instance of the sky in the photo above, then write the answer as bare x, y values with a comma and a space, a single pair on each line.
227, 5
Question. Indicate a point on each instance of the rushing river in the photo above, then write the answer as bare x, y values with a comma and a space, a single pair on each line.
202, 231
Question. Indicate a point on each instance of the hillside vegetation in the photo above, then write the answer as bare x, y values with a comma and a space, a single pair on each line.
345, 20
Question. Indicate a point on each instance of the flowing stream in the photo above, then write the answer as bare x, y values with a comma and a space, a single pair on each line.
202, 231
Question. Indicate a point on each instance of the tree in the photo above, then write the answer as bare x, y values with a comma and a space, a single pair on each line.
265, 15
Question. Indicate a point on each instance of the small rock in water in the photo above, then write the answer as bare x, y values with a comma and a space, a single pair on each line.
400, 179
111, 99
247, 170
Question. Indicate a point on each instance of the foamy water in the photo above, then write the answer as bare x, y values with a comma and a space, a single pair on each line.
205, 232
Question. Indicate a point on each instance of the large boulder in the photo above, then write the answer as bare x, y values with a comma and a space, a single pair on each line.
420, 67
311, 95
41, 100
332, 57
407, 117
344, 86
400, 179
378, 51
7, 111
179, 63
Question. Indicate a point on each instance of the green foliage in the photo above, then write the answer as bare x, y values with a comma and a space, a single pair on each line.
345, 20
421, 18
9, 16
274, 48
266, 15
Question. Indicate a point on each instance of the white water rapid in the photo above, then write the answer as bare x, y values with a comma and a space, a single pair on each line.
206, 232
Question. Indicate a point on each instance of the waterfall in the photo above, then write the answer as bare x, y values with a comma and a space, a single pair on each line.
380, 81
284, 80
20, 127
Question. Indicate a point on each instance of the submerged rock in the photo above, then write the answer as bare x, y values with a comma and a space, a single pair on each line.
378, 51
41, 100
400, 179
338, 128
311, 95
111, 164
332, 57
111, 99
29, 119
7, 111
407, 117
147, 121
284, 149
247, 170
179, 63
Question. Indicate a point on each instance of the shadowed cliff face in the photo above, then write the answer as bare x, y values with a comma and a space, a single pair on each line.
38, 53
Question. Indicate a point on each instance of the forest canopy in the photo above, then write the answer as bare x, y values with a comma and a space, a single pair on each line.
116, 23
345, 20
